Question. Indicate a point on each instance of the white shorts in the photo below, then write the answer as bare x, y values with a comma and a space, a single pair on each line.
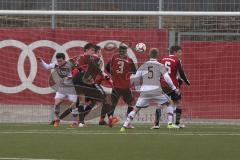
70, 97
143, 101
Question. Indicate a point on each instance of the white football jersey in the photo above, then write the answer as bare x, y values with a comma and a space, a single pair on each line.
147, 78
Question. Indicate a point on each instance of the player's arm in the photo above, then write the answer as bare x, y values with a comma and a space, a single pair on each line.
137, 79
133, 67
100, 64
182, 73
74, 61
69, 76
164, 72
97, 66
133, 72
45, 65
169, 81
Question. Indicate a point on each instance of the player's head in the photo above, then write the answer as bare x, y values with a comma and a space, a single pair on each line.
153, 53
122, 49
89, 48
98, 50
60, 58
177, 51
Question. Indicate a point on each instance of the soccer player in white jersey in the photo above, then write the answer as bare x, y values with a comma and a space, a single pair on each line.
147, 81
65, 87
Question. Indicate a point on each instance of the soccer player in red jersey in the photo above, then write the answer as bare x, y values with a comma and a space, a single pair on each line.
120, 67
175, 69
86, 80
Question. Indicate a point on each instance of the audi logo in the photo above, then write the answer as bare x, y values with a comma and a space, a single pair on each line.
27, 51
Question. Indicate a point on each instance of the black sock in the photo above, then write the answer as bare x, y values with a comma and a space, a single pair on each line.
87, 110
129, 109
178, 115
103, 112
111, 113
81, 113
65, 113
158, 114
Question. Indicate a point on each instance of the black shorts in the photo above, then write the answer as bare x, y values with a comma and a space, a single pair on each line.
174, 96
125, 93
91, 91
171, 94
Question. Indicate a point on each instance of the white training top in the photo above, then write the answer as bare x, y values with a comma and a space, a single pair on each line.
62, 71
149, 73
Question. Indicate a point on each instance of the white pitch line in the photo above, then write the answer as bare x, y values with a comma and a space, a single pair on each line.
24, 159
126, 133
96, 132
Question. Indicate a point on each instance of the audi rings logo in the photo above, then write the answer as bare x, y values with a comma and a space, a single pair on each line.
27, 51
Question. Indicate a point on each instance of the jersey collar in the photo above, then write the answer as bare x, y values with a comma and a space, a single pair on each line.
153, 59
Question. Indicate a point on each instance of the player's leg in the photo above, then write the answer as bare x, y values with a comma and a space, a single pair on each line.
164, 101
178, 112
59, 97
176, 104
114, 99
108, 108
142, 102
73, 99
102, 116
84, 111
158, 114
68, 110
80, 107
65, 113
94, 93
90, 103
129, 100
170, 113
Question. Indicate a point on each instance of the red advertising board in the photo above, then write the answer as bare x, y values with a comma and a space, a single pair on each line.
212, 67
23, 81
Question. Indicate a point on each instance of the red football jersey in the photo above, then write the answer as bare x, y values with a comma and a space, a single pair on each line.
171, 63
121, 70
90, 64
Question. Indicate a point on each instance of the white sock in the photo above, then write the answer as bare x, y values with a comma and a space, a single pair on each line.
129, 119
170, 114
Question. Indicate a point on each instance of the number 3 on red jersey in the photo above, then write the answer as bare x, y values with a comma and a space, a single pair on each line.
120, 67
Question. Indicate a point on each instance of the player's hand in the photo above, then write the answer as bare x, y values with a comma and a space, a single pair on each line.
39, 59
177, 91
106, 77
180, 81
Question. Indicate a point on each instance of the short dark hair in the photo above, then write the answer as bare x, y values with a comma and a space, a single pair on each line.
97, 48
88, 46
175, 49
122, 47
60, 56
153, 53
